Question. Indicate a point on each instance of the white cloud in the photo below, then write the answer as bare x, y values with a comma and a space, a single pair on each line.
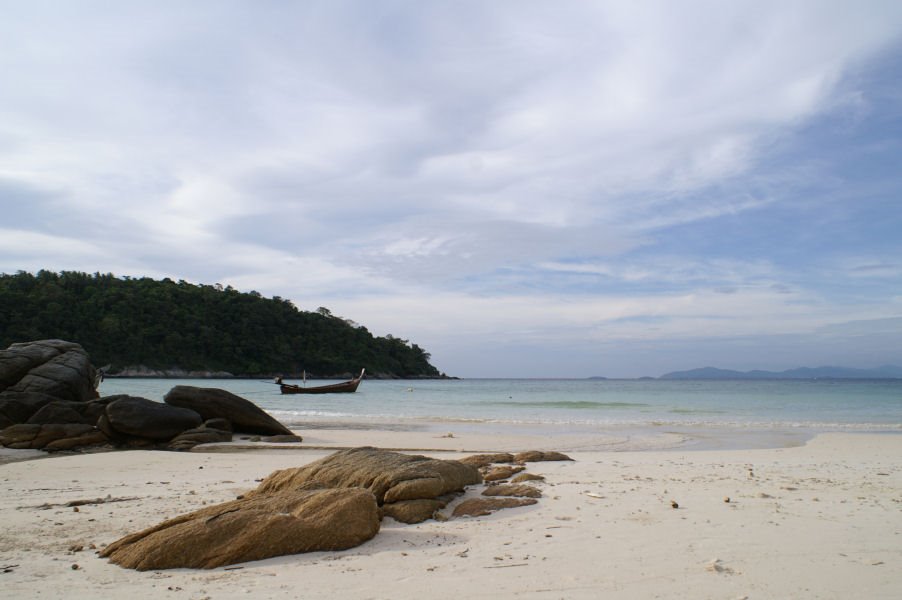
475, 155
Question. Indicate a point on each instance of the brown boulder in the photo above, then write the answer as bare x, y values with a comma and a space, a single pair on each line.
413, 511
501, 472
252, 528
483, 460
539, 456
391, 476
522, 477
213, 403
512, 489
478, 507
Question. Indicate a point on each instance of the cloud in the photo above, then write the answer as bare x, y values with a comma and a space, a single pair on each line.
596, 170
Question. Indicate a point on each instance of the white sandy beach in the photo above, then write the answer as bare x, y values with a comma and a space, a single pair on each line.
823, 520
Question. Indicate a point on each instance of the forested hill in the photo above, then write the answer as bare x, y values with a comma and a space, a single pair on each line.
167, 325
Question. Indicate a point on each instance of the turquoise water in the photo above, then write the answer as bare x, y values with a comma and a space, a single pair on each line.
556, 405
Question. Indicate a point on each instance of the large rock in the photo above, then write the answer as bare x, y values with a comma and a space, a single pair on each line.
253, 528
390, 476
54, 367
131, 416
212, 403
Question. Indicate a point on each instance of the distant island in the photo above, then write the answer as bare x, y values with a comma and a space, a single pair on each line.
145, 327
884, 372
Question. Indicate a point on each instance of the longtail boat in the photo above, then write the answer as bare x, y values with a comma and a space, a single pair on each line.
345, 387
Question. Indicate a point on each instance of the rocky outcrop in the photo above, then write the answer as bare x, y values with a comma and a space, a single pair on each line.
212, 403
391, 476
48, 385
478, 507
262, 526
56, 368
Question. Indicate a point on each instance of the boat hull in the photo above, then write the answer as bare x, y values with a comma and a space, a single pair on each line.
347, 387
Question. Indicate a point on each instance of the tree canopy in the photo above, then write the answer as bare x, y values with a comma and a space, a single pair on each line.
178, 325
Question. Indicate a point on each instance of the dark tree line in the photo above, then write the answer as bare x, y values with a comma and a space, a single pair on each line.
167, 325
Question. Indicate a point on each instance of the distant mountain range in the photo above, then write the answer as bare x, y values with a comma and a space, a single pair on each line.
884, 372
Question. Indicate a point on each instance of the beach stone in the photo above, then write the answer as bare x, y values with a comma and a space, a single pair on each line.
282, 439
35, 436
500, 472
139, 417
199, 435
252, 528
539, 456
56, 368
390, 476
483, 460
523, 477
213, 403
413, 511
478, 507
512, 489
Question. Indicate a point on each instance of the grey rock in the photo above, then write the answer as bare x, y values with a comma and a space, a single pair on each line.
213, 403
54, 367
142, 418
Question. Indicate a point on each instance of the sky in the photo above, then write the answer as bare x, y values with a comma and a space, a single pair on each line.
522, 188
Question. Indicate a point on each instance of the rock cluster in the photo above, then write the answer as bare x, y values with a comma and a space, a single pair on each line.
334, 503
48, 401
409, 488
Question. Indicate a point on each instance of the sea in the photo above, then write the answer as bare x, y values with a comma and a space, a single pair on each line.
697, 414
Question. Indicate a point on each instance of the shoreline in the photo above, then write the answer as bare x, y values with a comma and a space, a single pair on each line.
472, 438
815, 520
